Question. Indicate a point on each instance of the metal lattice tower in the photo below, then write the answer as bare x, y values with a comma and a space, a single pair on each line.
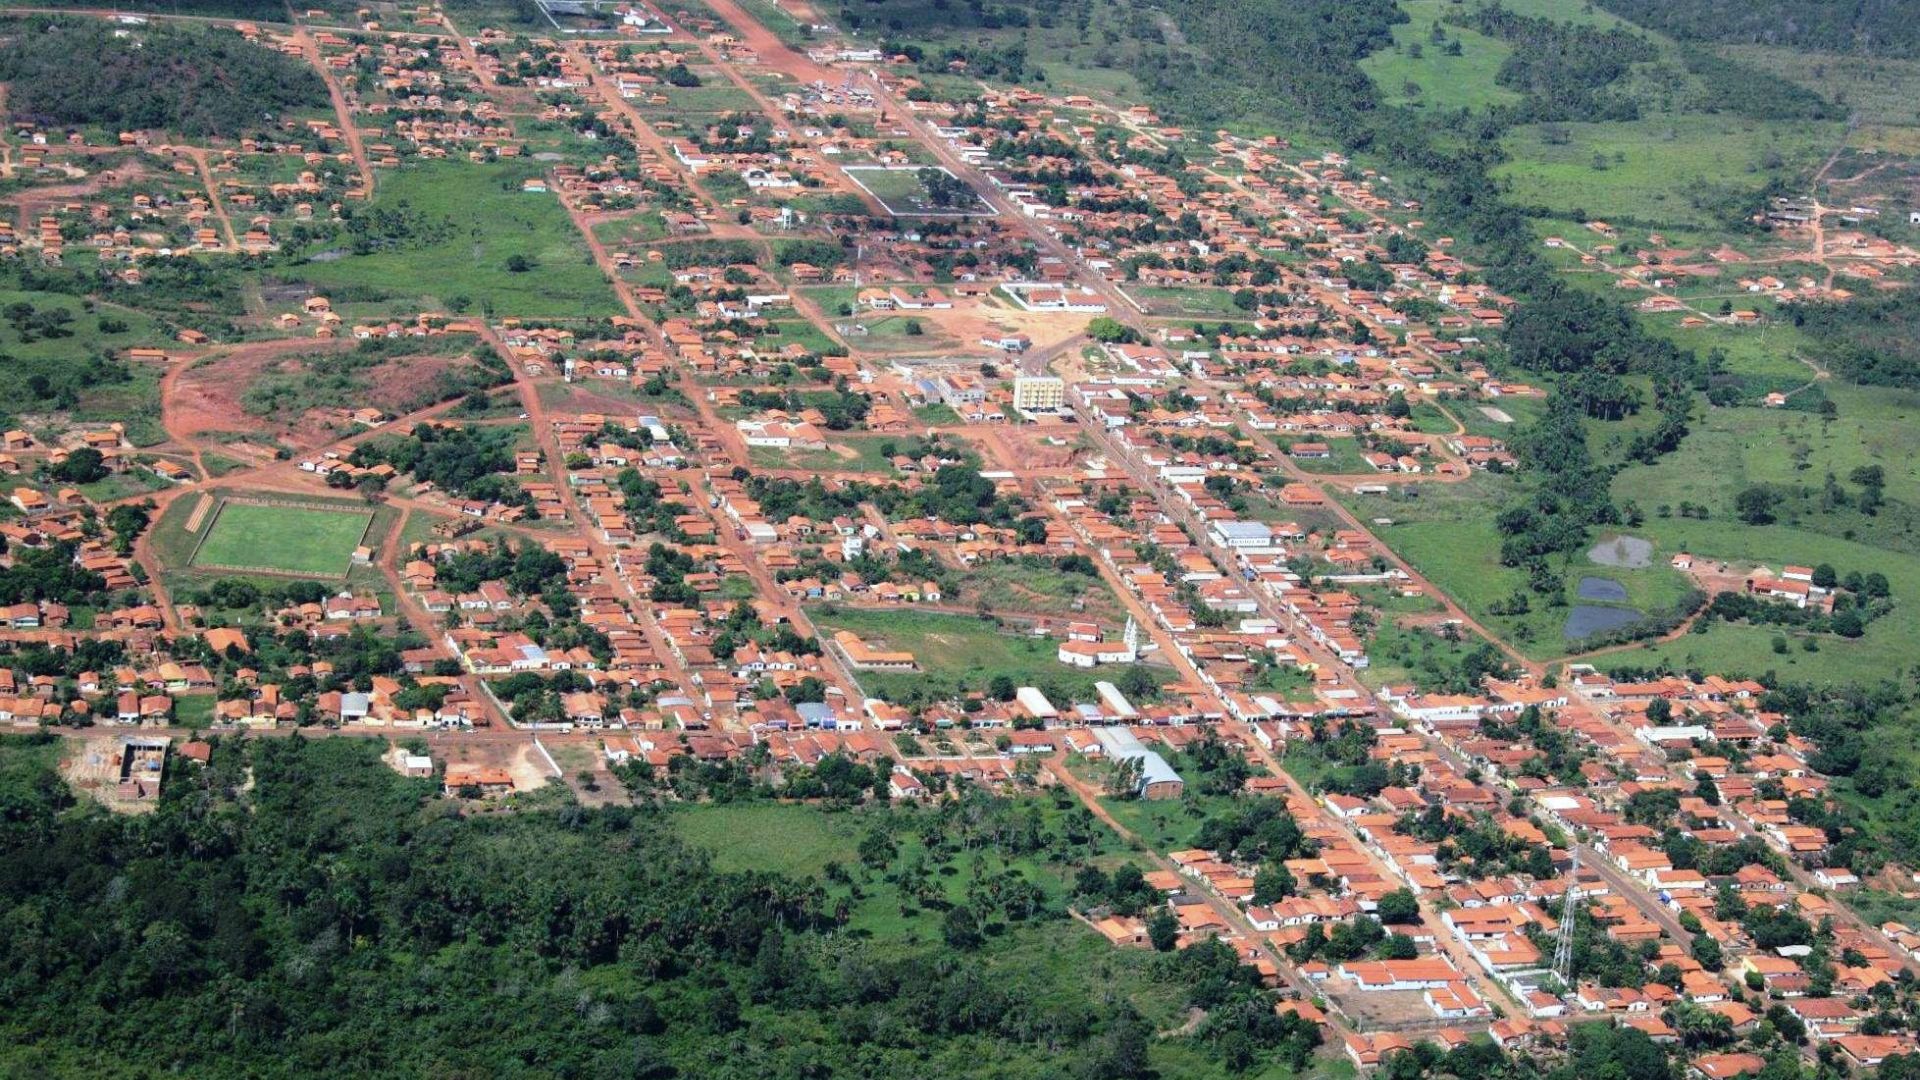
1563, 949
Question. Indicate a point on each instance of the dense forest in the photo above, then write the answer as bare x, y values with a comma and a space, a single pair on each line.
1877, 27
193, 82
297, 908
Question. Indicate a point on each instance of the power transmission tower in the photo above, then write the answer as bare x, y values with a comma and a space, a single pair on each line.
1563, 949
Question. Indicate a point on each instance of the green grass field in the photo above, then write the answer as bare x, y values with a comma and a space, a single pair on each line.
800, 840
48, 340
1665, 170
285, 538
1400, 654
1732, 448
470, 220
1345, 458
780, 838
1887, 646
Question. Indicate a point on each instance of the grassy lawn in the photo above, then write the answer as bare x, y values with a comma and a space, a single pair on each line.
292, 539
467, 222
1667, 169
832, 298
799, 332
1429, 419
1170, 301
122, 485
902, 192
1344, 458
194, 710
716, 96
841, 455
1475, 419
780, 838
896, 334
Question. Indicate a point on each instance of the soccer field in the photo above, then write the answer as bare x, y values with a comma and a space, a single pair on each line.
290, 539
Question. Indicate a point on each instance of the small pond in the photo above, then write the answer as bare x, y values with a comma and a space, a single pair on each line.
1624, 552
1602, 590
1586, 619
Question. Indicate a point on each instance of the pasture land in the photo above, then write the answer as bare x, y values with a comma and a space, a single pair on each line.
1448, 535
1730, 449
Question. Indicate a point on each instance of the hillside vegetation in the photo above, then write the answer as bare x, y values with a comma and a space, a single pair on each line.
1875, 27
190, 82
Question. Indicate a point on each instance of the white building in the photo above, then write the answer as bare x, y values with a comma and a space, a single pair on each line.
1039, 393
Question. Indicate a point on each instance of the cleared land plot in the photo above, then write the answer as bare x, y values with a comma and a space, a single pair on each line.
903, 193
467, 225
1014, 586
283, 539
1667, 170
